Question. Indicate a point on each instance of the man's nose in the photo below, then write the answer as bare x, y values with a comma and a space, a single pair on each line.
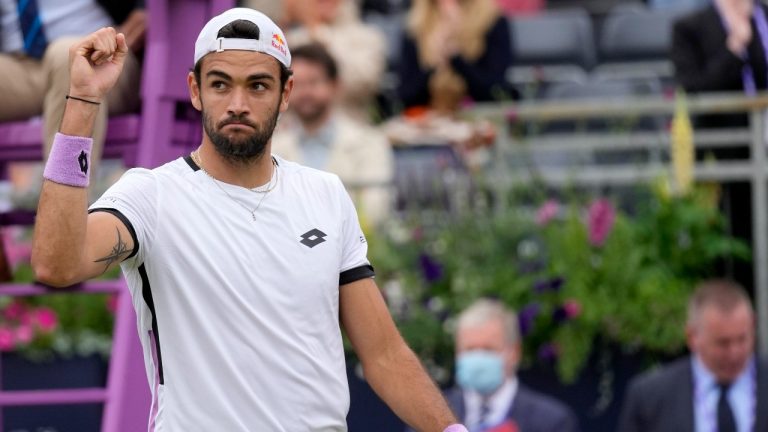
238, 103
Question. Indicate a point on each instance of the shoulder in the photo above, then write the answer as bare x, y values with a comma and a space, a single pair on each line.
306, 177
699, 20
659, 380
532, 402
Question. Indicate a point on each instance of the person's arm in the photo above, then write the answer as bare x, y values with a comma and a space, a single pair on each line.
413, 88
390, 367
698, 71
69, 245
486, 78
135, 29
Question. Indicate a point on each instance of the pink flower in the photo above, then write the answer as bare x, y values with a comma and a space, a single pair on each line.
46, 319
7, 342
24, 334
547, 212
15, 311
601, 219
112, 303
572, 308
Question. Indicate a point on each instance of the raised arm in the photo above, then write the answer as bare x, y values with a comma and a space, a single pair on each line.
390, 367
69, 245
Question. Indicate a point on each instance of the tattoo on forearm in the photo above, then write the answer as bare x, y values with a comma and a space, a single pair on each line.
119, 250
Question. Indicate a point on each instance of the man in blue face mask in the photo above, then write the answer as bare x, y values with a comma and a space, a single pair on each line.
490, 397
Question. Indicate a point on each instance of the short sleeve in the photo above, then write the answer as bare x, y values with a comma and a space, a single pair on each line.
354, 259
133, 199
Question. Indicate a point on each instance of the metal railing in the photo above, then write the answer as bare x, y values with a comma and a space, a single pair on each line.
655, 142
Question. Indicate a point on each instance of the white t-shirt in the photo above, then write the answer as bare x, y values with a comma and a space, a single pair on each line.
239, 319
59, 19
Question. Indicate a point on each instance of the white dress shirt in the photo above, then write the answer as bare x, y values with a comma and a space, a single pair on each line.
741, 396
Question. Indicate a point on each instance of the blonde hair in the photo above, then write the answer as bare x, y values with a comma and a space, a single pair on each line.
725, 295
446, 87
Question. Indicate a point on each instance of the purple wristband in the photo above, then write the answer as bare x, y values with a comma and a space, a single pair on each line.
456, 428
69, 162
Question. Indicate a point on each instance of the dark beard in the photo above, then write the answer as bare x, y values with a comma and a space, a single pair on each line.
242, 151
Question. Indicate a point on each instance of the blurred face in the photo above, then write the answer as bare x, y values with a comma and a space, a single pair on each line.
489, 336
723, 340
327, 10
313, 91
240, 97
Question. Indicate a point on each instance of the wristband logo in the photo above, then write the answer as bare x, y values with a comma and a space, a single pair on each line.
83, 161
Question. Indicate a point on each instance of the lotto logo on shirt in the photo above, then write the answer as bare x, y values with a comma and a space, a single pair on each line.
279, 43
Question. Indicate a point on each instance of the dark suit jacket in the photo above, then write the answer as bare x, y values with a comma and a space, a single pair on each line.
702, 60
530, 410
662, 400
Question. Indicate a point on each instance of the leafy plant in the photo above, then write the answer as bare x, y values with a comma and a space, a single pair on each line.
576, 273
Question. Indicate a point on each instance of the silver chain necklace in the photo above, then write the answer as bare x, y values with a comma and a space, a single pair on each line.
270, 186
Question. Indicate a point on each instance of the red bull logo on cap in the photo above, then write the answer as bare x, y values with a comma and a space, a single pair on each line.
279, 43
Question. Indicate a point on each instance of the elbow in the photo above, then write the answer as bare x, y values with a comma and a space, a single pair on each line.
49, 275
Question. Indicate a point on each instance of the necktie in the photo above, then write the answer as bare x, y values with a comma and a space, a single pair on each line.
31, 28
485, 410
725, 420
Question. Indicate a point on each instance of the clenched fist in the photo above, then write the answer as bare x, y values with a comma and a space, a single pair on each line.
95, 63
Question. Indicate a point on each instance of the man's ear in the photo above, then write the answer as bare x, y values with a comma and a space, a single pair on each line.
286, 94
194, 91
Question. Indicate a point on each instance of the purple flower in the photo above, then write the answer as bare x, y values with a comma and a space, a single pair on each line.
430, 269
601, 218
553, 284
547, 212
527, 316
548, 352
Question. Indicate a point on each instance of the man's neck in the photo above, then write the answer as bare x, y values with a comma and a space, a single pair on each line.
250, 174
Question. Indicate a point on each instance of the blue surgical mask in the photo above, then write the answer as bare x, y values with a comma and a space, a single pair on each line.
482, 371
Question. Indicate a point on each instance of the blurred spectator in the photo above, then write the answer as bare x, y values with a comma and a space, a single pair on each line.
722, 47
359, 49
721, 387
271, 8
34, 59
454, 50
490, 397
316, 134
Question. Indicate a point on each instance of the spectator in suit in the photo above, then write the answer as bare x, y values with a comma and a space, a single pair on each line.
453, 50
34, 64
489, 396
317, 134
721, 386
722, 47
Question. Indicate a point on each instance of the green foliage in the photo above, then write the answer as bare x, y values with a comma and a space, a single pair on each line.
571, 287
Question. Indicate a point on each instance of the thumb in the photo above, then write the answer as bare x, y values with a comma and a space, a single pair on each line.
122, 49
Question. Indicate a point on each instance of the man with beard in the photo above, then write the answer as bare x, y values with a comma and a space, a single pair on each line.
243, 266
317, 134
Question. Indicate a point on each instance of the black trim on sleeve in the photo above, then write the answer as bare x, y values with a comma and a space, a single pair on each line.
355, 274
118, 214
146, 293
191, 162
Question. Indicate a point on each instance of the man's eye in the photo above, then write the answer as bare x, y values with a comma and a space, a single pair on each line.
258, 86
218, 85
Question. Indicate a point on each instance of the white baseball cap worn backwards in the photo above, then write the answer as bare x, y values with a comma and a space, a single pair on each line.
271, 39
